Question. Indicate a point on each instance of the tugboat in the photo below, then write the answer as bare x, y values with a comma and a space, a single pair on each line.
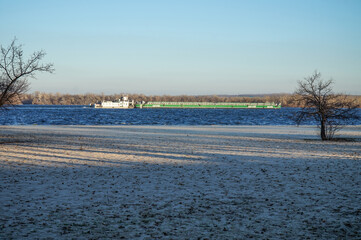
122, 103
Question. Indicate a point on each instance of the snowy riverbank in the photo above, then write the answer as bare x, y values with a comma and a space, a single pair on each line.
178, 182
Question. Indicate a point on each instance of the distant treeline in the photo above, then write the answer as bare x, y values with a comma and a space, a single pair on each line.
40, 98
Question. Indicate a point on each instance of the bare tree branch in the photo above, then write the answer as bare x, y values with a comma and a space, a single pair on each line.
14, 72
332, 111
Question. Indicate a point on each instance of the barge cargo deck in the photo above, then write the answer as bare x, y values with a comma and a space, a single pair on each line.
207, 105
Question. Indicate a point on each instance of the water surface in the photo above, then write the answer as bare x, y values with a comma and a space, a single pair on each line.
83, 115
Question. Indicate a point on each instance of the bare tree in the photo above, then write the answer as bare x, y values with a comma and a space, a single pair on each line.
331, 111
15, 71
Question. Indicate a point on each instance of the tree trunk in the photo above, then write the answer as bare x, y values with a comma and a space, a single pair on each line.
323, 130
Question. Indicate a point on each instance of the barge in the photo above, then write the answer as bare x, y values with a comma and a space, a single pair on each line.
125, 103
207, 105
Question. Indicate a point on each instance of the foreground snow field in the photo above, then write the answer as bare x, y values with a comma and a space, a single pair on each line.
178, 182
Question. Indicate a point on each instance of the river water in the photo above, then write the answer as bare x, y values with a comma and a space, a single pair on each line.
83, 115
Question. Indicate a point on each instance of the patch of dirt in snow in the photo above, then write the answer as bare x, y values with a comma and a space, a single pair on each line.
149, 182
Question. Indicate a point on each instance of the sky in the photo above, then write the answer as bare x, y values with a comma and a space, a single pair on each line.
193, 47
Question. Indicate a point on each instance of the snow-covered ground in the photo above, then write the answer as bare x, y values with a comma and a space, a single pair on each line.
178, 182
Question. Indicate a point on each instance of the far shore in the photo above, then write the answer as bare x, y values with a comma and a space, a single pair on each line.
179, 182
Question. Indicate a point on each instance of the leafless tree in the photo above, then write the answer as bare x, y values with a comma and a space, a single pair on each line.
331, 111
15, 71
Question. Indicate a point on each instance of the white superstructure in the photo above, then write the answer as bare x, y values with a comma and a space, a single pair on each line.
121, 103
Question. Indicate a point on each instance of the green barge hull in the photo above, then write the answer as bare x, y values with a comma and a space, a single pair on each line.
208, 105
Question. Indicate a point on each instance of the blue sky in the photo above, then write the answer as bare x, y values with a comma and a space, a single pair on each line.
187, 47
